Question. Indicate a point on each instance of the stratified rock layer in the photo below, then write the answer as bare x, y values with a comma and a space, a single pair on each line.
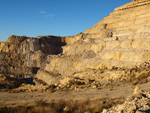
121, 40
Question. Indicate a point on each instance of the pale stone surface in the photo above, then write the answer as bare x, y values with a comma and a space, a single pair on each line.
49, 78
137, 90
135, 105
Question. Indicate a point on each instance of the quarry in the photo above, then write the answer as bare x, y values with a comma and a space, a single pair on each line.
109, 62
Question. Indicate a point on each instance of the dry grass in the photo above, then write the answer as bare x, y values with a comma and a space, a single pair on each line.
40, 102
137, 76
143, 76
75, 106
19, 109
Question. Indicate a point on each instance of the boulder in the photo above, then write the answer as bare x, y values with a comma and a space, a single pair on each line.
49, 78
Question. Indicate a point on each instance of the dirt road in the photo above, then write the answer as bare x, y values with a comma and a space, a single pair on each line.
28, 98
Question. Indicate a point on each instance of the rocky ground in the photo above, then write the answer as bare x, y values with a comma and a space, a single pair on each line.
135, 98
139, 102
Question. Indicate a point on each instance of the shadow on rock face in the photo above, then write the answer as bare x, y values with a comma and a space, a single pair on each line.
28, 80
35, 69
52, 44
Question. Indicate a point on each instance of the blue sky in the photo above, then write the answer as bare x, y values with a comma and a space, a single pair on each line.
52, 17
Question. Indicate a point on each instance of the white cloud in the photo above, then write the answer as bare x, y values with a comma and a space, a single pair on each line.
50, 15
45, 14
42, 12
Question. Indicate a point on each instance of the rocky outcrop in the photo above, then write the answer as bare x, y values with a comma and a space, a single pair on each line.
119, 41
21, 56
134, 4
137, 103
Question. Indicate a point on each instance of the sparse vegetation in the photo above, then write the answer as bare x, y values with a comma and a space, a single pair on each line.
141, 78
40, 102
94, 106
3, 108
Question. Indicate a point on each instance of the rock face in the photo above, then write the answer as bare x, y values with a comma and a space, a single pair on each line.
121, 41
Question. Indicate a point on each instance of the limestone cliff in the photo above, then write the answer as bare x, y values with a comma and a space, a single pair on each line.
121, 40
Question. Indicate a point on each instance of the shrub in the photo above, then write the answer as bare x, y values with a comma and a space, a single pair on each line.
40, 102
143, 76
3, 108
